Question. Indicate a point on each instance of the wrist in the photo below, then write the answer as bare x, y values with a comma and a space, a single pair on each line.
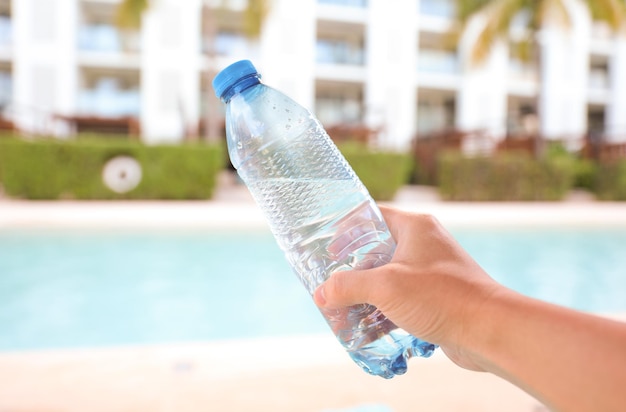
487, 329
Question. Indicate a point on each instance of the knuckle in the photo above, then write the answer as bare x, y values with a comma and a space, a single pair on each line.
387, 283
338, 287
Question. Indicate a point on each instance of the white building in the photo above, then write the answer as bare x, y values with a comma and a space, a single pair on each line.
382, 63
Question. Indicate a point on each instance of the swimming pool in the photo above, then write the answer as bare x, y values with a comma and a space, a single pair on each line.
101, 288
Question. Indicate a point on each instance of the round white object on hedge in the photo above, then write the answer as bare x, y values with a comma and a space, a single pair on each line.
121, 174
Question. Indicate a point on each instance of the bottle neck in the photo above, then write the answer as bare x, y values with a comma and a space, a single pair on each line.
239, 86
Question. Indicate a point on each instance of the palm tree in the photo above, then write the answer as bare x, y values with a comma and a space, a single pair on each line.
129, 14
500, 14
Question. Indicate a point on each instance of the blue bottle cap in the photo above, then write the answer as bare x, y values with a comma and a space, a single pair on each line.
232, 74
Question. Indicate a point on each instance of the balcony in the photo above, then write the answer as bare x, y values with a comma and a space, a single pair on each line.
438, 61
598, 90
599, 82
438, 65
435, 110
436, 16
6, 31
354, 11
598, 79
330, 51
437, 8
224, 37
346, 3
601, 38
100, 42
230, 43
109, 94
104, 38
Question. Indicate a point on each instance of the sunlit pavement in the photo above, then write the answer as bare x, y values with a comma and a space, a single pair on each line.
233, 208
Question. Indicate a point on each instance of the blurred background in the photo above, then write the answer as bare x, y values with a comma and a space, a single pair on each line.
479, 78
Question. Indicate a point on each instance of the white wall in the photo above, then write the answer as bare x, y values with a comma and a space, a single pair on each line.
170, 67
391, 58
565, 70
482, 96
287, 45
44, 63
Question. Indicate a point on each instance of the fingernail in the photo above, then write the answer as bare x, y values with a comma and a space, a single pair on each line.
320, 296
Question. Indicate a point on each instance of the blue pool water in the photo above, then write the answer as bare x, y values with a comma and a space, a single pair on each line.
100, 288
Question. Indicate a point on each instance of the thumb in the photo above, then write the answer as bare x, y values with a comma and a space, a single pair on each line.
344, 288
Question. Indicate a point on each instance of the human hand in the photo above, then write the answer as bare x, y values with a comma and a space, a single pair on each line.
432, 288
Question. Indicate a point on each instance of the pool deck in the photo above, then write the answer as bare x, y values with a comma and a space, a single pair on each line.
307, 373
233, 208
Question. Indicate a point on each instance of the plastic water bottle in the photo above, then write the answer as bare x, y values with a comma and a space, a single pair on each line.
320, 213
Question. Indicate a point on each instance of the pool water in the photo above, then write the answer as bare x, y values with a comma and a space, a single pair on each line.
63, 289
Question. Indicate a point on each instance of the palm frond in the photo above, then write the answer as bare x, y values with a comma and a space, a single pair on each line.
498, 16
129, 12
253, 17
553, 11
612, 12
465, 9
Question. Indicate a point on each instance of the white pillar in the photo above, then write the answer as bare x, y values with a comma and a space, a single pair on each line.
565, 70
391, 58
287, 45
482, 97
170, 70
44, 64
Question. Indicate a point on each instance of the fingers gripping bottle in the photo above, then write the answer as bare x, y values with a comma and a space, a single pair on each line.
320, 213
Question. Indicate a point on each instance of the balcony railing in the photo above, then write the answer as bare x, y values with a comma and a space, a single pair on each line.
227, 44
349, 3
333, 111
437, 8
599, 79
106, 38
437, 61
6, 30
522, 70
339, 52
107, 100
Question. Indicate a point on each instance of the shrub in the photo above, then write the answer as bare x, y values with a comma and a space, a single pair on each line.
55, 169
585, 172
504, 177
610, 181
382, 172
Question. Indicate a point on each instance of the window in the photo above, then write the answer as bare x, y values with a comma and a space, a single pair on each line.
348, 3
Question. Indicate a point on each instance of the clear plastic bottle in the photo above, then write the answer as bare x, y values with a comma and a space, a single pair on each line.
320, 213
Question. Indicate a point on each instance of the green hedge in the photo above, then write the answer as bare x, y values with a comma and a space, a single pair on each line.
610, 181
505, 177
382, 172
55, 169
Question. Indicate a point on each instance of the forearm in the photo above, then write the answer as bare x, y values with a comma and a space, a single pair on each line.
569, 360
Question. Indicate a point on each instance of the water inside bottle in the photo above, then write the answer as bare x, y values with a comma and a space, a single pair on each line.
325, 225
